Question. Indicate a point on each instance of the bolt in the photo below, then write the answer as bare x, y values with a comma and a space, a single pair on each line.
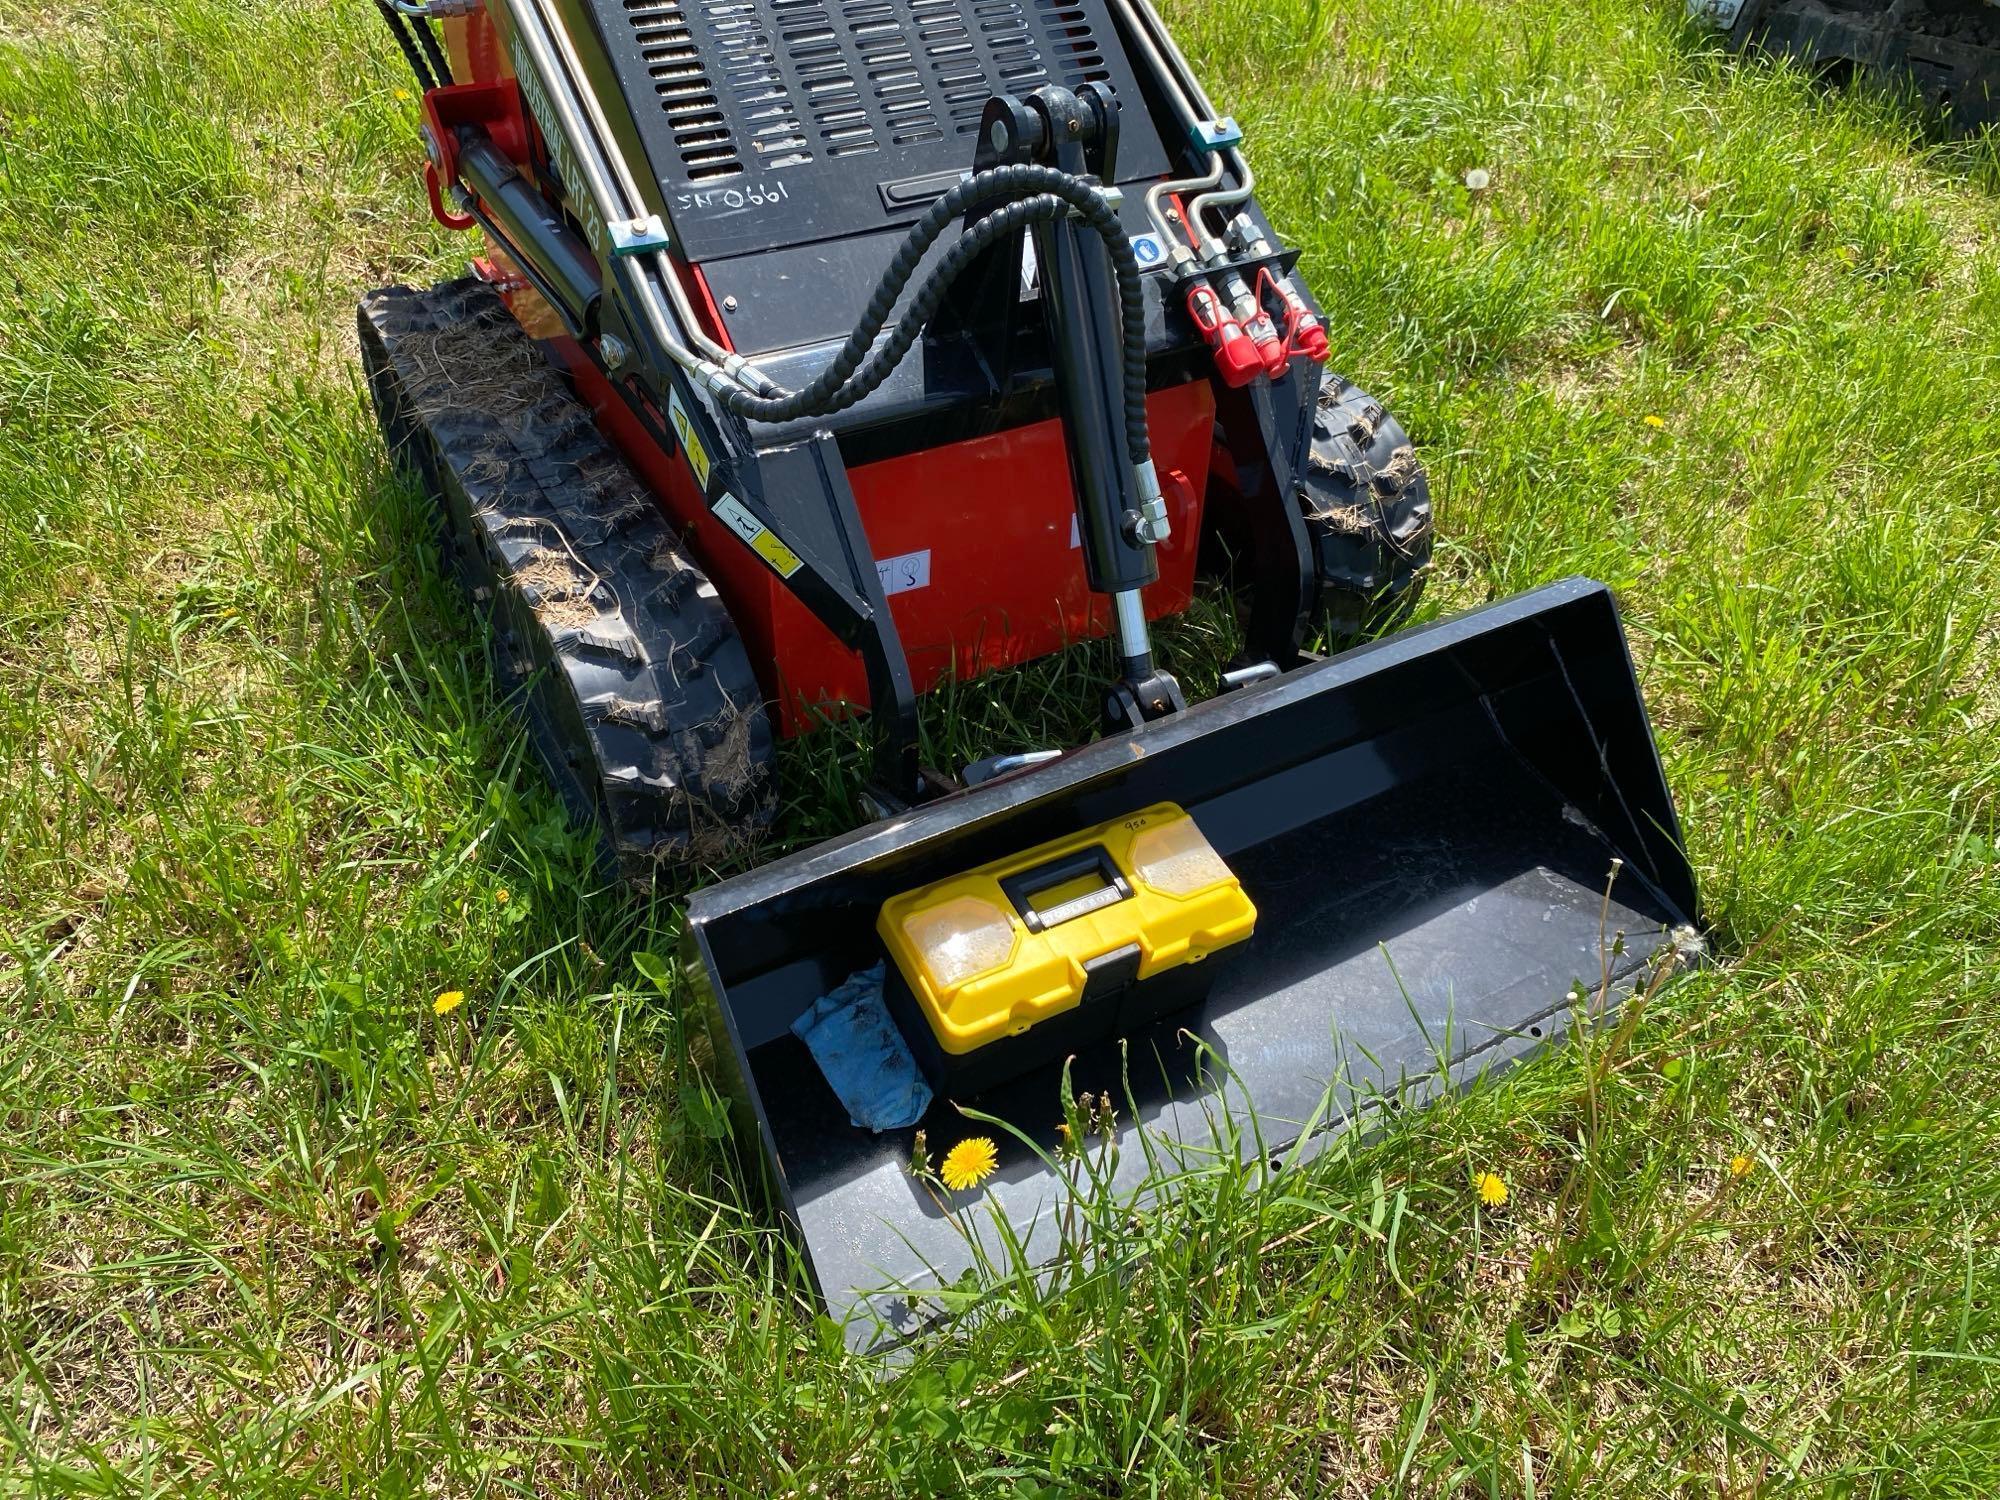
613, 349
1074, 124
729, 304
637, 226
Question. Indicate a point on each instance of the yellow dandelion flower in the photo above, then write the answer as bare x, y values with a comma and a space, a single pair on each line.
401, 94
969, 1163
1656, 423
448, 1002
1739, 1166
1491, 1187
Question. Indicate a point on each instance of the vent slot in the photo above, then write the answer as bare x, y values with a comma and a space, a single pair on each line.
832, 96
890, 52
1074, 52
759, 96
687, 98
1017, 61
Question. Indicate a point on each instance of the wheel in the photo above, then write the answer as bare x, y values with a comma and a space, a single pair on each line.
1368, 512
638, 694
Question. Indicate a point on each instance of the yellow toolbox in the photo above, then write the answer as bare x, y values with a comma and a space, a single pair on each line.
999, 969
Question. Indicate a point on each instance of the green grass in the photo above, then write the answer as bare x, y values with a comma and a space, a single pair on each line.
269, 1226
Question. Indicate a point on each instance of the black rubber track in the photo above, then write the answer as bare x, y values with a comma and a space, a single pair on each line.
1368, 510
1948, 50
638, 692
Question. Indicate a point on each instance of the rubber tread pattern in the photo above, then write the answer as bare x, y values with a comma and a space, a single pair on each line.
1949, 50
639, 695
1367, 503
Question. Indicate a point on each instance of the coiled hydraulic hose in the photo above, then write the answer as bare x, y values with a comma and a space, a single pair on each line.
1041, 193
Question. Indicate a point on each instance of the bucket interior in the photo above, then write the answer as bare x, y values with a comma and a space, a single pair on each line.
1427, 828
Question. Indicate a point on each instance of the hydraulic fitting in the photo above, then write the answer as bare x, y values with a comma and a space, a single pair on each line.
1303, 331
1153, 525
1237, 359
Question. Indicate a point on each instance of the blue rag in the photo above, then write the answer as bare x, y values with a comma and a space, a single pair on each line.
853, 1038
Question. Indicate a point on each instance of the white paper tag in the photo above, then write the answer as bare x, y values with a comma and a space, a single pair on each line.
901, 574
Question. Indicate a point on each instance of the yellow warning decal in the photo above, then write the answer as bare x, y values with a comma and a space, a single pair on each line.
759, 537
777, 554
690, 439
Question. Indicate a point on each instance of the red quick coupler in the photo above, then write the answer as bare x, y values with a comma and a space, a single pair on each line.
1301, 328
1237, 358
1256, 323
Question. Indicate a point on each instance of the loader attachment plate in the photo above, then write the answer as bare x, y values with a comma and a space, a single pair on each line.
1427, 827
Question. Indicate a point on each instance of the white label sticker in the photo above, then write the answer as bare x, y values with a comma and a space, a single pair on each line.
901, 574
1150, 251
737, 517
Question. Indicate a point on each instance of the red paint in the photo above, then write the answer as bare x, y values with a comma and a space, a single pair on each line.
995, 515
492, 107
473, 44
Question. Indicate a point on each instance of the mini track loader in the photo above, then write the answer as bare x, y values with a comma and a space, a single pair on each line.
821, 350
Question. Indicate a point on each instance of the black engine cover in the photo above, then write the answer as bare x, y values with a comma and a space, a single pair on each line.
777, 123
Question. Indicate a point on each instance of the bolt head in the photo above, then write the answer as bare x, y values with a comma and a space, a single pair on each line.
729, 304
1000, 135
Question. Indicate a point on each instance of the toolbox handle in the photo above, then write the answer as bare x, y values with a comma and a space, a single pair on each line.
1022, 887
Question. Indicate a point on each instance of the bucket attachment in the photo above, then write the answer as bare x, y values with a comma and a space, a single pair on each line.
1418, 836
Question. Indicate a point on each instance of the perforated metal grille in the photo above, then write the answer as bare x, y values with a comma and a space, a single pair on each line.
767, 100
687, 98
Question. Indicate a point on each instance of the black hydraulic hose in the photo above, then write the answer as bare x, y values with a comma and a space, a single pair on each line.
426, 79
884, 357
1042, 193
440, 64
